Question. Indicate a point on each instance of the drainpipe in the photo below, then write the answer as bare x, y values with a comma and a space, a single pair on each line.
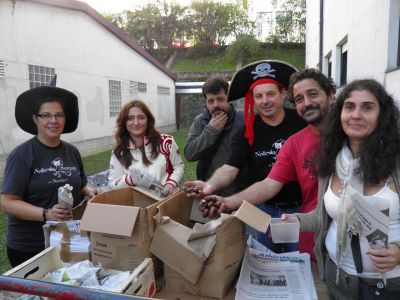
321, 32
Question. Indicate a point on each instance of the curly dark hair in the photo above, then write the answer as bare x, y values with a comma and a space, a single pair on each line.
379, 151
214, 84
324, 82
122, 135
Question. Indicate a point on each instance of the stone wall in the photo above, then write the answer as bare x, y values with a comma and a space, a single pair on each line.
190, 105
197, 76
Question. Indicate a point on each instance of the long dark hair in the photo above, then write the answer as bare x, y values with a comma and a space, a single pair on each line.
379, 151
122, 136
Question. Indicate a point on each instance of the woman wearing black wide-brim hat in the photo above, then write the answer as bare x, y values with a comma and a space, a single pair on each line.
36, 169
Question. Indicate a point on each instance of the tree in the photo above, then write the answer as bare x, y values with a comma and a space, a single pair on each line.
245, 46
290, 20
212, 22
156, 25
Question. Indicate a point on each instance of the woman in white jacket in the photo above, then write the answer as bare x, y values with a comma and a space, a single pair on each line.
142, 151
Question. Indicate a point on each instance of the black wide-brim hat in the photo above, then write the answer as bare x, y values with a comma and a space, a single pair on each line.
27, 103
271, 69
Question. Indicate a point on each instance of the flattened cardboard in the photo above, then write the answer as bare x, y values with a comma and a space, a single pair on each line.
121, 226
253, 216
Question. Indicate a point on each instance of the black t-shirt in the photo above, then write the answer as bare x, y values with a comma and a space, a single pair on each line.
261, 156
34, 172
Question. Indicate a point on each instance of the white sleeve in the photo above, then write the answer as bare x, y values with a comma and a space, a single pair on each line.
118, 176
177, 165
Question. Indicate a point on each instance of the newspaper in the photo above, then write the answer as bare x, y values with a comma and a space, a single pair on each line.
144, 179
268, 275
373, 220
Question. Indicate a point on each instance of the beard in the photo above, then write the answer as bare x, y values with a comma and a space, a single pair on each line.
319, 112
218, 111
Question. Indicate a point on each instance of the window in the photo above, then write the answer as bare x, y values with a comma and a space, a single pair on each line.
265, 23
398, 46
283, 16
165, 109
135, 88
2, 68
343, 65
115, 97
142, 87
328, 64
161, 90
39, 75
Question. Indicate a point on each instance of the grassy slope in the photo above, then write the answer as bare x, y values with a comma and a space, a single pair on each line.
93, 164
220, 62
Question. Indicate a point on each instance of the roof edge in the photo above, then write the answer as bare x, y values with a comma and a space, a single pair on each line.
87, 9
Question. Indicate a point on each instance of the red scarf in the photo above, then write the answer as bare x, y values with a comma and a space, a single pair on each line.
249, 107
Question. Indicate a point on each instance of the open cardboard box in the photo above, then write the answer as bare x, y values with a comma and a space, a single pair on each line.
186, 268
140, 282
121, 226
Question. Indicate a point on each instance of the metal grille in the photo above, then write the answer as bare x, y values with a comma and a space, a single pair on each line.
115, 97
142, 87
133, 89
40, 75
2, 69
161, 90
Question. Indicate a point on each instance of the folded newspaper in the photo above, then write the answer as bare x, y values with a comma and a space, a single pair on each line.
268, 275
143, 179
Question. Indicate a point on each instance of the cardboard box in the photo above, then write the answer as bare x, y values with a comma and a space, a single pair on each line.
187, 268
121, 226
140, 282
72, 244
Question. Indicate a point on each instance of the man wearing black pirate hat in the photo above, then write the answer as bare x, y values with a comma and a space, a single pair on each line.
263, 84
36, 169
312, 94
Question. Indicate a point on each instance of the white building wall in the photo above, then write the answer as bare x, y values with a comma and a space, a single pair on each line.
312, 36
369, 29
85, 56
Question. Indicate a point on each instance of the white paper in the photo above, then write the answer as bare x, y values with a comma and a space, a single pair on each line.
267, 275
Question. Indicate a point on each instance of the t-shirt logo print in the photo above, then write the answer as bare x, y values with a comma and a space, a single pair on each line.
263, 70
58, 168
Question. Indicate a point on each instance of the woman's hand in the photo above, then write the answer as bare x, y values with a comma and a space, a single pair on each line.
59, 212
285, 217
385, 259
90, 192
170, 189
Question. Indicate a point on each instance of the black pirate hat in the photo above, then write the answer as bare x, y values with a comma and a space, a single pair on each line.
259, 72
27, 104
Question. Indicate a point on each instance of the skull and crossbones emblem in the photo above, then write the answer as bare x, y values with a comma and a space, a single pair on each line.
263, 70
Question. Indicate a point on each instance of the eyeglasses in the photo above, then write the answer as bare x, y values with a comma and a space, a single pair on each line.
49, 116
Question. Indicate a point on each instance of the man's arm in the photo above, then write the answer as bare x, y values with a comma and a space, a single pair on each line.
257, 193
221, 178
